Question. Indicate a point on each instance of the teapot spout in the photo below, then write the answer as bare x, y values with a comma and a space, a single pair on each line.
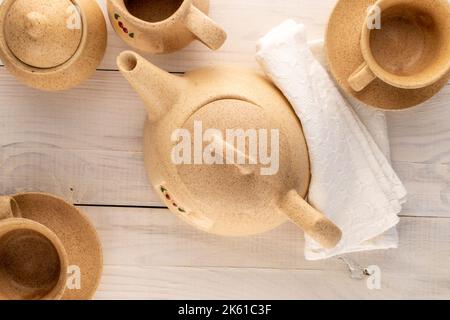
158, 89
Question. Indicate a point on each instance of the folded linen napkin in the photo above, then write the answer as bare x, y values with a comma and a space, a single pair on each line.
352, 181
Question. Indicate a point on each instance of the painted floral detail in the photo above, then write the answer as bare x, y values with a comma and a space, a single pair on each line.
168, 197
122, 26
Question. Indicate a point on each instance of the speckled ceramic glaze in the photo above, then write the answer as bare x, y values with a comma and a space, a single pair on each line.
411, 47
164, 26
43, 242
231, 199
345, 56
52, 45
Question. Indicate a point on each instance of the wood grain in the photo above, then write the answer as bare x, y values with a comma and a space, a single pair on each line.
428, 188
103, 113
85, 144
244, 21
422, 134
149, 253
250, 284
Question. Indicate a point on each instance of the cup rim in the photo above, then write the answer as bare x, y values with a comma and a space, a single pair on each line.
387, 76
12, 224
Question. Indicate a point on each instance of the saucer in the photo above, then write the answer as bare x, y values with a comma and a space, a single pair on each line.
77, 234
344, 56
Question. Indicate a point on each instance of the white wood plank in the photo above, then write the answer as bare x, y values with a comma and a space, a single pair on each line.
80, 176
103, 177
251, 284
149, 253
85, 144
244, 21
428, 188
103, 113
422, 134
155, 237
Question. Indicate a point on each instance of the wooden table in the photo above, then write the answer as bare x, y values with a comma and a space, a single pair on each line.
86, 145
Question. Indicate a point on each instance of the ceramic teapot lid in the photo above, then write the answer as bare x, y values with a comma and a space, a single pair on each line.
43, 33
252, 183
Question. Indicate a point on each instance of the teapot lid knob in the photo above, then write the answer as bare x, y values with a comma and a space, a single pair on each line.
43, 33
36, 25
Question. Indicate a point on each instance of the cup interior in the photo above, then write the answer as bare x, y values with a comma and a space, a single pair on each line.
153, 10
30, 266
413, 43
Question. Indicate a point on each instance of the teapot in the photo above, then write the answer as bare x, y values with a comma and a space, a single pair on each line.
225, 150
52, 45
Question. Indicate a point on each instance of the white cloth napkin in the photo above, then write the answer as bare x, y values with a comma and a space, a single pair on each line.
352, 182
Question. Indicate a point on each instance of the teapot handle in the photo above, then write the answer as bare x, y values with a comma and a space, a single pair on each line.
8, 208
315, 224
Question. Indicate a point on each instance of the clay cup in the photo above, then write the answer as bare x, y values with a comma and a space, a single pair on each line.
33, 261
405, 43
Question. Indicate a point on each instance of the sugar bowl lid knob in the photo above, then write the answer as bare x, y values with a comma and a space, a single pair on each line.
43, 33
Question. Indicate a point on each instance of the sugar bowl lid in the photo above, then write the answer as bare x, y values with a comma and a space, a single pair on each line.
52, 45
43, 33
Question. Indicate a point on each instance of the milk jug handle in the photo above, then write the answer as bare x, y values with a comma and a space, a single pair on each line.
205, 29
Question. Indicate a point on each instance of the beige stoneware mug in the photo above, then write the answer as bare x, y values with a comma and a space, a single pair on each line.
163, 26
33, 261
405, 43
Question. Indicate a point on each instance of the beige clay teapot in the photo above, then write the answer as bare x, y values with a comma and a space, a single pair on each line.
51, 45
225, 150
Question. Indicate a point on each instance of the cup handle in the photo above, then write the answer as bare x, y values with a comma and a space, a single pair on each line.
314, 224
8, 208
205, 29
361, 78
